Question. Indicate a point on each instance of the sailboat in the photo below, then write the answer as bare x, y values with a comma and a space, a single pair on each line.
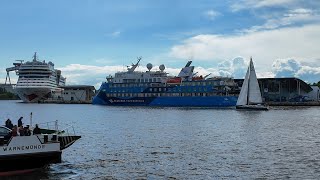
250, 95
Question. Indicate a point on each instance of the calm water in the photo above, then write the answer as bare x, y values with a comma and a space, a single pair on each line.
180, 143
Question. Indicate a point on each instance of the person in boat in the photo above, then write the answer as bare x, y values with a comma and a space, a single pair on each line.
9, 124
14, 131
36, 130
27, 131
20, 121
21, 131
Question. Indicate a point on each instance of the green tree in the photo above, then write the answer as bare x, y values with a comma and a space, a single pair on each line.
316, 84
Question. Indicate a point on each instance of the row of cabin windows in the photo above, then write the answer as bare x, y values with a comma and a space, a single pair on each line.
36, 82
70, 93
28, 85
160, 94
203, 83
176, 89
140, 80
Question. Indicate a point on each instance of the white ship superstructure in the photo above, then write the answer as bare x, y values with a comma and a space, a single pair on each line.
132, 76
38, 80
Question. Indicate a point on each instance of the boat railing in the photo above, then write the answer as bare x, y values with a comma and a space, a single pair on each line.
69, 130
56, 127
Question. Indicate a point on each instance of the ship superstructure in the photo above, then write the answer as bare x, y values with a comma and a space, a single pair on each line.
38, 80
156, 88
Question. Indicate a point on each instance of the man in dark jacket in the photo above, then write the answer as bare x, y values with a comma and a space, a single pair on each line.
36, 130
20, 122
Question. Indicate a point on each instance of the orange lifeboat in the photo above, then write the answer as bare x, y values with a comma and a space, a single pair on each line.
175, 80
197, 78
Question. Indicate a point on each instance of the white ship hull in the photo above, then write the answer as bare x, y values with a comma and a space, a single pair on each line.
33, 94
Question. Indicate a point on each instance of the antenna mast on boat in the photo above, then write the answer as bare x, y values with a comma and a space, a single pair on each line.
31, 119
134, 66
35, 57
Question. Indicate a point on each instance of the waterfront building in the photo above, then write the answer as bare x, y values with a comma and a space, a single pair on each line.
78, 93
285, 90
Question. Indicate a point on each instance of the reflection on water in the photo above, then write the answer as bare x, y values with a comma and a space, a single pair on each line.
181, 143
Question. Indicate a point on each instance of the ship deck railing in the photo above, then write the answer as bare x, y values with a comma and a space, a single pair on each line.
55, 127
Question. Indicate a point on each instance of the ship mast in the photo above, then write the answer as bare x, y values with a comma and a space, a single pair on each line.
134, 66
35, 57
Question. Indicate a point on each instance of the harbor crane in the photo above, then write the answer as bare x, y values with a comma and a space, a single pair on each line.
15, 68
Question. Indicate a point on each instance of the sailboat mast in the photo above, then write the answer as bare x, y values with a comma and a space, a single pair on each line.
249, 70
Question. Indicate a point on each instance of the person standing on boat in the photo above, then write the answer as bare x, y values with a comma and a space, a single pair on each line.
20, 122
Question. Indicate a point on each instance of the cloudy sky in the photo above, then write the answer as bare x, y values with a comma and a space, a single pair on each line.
90, 39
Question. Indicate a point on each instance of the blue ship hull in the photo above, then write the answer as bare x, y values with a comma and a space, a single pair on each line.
200, 101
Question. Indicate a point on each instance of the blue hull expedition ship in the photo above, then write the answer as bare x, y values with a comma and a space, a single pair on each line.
156, 88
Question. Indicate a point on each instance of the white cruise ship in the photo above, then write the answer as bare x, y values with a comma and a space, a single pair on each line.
38, 80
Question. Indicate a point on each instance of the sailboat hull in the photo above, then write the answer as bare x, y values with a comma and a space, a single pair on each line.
253, 107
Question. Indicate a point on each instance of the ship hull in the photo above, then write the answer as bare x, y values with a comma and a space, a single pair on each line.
33, 95
252, 107
201, 101
15, 164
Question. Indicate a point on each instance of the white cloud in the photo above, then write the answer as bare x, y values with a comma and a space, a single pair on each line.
211, 14
114, 34
293, 68
264, 46
286, 67
87, 74
291, 17
248, 4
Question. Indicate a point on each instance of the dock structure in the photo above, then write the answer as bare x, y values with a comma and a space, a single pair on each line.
310, 103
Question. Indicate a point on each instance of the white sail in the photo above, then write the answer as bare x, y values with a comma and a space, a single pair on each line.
250, 91
243, 97
254, 90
